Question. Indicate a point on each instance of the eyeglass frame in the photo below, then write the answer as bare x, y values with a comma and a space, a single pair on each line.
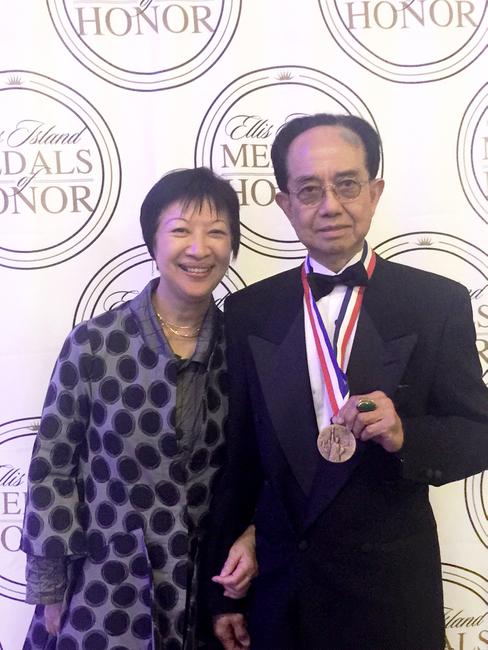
332, 188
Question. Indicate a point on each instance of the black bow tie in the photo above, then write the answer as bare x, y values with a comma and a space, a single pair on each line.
321, 284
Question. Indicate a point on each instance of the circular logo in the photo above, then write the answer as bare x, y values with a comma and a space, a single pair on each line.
59, 172
16, 440
409, 41
476, 498
472, 153
454, 258
465, 607
146, 45
125, 275
238, 130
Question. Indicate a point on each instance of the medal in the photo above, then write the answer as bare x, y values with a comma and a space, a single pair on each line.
336, 443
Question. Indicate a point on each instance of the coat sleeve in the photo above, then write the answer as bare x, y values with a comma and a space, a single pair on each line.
55, 512
236, 493
45, 579
450, 442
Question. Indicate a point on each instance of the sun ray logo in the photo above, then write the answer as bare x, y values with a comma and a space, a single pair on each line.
59, 172
125, 275
409, 41
16, 440
465, 608
454, 258
476, 499
237, 132
146, 45
472, 153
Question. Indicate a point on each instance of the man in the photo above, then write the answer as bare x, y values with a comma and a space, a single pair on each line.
346, 541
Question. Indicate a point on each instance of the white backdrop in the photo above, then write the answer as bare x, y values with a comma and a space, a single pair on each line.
98, 98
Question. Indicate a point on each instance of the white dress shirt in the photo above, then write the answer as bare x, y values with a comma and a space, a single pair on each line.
329, 307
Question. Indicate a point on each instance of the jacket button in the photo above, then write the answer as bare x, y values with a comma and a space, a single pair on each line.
367, 547
437, 474
303, 545
429, 473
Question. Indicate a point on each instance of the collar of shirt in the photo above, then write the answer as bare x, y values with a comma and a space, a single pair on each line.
142, 309
320, 268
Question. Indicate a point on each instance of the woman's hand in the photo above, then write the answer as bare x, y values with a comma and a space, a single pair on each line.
240, 567
52, 617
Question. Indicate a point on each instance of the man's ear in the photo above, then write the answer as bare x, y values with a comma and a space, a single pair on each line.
376, 190
283, 200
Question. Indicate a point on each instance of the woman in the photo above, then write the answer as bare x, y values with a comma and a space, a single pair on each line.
130, 442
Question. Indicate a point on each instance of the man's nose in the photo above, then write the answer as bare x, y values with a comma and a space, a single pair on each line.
329, 204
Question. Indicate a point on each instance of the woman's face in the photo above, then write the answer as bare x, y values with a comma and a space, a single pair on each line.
192, 249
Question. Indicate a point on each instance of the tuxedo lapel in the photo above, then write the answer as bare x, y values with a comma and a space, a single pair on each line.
281, 363
381, 350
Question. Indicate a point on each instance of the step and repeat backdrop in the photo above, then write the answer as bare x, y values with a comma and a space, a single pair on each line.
99, 98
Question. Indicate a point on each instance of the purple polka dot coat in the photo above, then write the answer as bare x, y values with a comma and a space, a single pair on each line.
113, 486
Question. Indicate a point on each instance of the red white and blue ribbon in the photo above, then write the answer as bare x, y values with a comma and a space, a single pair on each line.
332, 354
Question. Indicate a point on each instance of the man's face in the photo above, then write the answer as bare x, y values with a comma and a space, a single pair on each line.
333, 232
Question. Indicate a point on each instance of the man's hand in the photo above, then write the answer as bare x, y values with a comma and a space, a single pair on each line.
231, 631
240, 567
52, 617
382, 425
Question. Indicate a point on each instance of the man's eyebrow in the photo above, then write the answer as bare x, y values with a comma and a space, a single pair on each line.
347, 173
306, 179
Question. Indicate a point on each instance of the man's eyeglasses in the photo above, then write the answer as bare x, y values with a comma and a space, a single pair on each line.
345, 191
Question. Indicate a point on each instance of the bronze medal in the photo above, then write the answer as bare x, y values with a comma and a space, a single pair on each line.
336, 443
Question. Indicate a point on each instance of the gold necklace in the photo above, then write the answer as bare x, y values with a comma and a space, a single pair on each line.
175, 329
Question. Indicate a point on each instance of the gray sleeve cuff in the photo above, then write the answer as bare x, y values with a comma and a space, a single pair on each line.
46, 580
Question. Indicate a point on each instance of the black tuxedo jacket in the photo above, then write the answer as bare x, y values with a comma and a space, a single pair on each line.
348, 553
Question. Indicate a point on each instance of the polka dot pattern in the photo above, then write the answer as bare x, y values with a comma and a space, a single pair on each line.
50, 427
50, 395
134, 396
39, 469
157, 556
159, 394
66, 404
127, 369
168, 493
60, 519
110, 390
34, 525
112, 444
117, 342
148, 456
68, 375
96, 593
82, 618
130, 326
108, 438
64, 487
96, 340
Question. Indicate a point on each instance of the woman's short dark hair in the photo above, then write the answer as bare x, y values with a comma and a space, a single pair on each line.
190, 187
290, 130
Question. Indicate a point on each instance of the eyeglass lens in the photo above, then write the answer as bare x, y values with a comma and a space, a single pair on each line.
345, 190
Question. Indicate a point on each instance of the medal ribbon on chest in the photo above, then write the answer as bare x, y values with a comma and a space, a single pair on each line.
335, 442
